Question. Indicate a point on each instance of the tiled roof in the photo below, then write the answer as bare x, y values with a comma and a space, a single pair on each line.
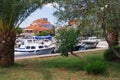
49, 26
40, 25
41, 21
36, 28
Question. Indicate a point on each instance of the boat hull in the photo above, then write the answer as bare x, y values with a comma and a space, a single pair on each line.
40, 51
45, 51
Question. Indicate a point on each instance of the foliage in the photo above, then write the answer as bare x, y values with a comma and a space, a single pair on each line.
109, 54
91, 31
95, 66
47, 32
12, 14
81, 11
18, 30
52, 31
69, 9
95, 13
90, 12
43, 33
58, 68
67, 39
109, 13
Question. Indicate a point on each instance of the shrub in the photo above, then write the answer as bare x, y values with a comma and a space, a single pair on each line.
43, 33
95, 66
109, 54
67, 39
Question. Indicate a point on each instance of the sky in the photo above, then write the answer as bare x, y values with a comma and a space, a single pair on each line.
45, 12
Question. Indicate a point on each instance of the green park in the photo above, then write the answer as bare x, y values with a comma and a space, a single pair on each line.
85, 18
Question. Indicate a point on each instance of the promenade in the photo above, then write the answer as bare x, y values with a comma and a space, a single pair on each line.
54, 54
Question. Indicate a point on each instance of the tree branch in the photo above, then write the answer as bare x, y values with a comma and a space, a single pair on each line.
79, 56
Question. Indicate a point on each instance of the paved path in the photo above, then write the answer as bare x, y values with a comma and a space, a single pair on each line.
102, 44
52, 55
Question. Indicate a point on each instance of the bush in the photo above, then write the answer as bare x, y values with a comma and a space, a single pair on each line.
67, 39
95, 66
109, 54
43, 33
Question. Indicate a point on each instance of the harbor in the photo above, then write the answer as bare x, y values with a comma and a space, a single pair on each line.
47, 46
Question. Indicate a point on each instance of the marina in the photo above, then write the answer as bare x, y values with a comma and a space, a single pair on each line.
42, 45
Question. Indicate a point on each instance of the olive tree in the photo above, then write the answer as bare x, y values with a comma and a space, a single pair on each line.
67, 40
101, 13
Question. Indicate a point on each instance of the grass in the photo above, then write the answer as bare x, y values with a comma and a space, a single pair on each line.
58, 68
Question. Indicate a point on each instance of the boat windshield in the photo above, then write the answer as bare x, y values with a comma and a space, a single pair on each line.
27, 47
40, 46
32, 47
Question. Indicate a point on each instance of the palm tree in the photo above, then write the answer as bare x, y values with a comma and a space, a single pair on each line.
12, 14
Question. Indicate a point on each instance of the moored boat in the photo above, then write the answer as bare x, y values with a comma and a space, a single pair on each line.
33, 48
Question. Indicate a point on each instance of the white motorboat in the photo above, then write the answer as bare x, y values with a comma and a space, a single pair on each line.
31, 47
91, 40
87, 45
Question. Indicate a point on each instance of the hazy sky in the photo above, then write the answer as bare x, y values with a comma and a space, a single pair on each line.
45, 12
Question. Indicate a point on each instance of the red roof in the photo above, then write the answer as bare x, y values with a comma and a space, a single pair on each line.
38, 25
40, 21
36, 28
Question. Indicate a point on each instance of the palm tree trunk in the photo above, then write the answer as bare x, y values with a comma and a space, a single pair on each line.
7, 39
112, 37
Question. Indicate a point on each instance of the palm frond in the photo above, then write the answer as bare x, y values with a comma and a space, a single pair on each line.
14, 12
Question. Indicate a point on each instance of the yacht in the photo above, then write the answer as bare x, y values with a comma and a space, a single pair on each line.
31, 46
